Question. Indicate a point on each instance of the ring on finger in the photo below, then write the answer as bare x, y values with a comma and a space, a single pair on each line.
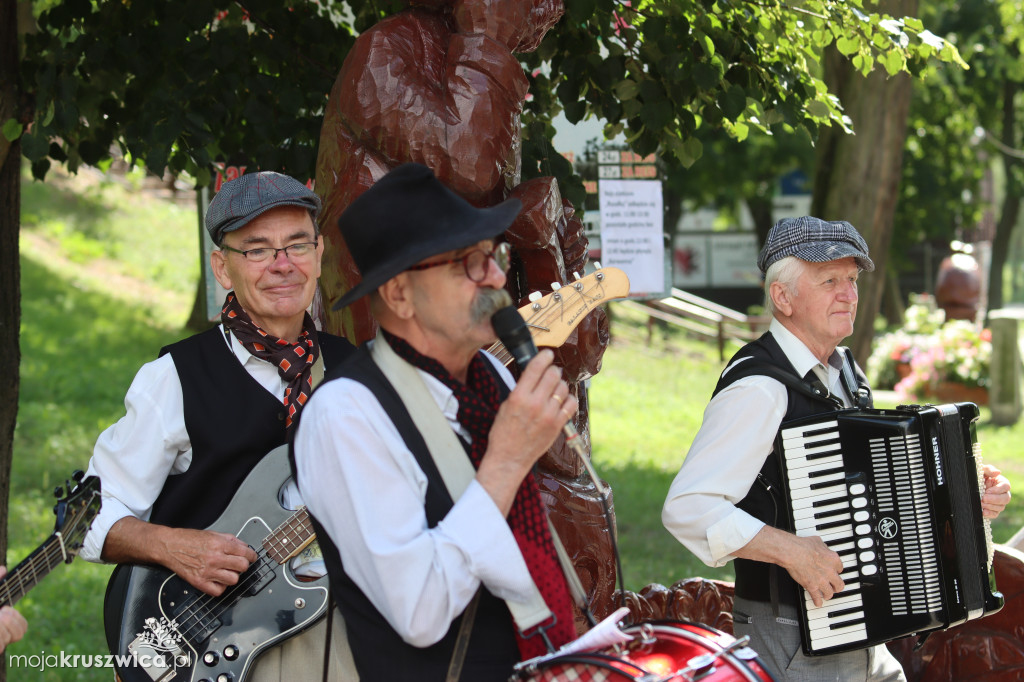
557, 398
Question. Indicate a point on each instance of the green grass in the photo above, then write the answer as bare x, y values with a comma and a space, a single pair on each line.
108, 278
89, 320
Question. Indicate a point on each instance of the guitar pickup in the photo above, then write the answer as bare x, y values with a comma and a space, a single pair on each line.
257, 576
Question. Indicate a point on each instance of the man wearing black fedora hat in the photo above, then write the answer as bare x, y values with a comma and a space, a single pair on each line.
208, 410
725, 503
415, 456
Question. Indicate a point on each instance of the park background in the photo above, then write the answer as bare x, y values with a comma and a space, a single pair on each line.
105, 274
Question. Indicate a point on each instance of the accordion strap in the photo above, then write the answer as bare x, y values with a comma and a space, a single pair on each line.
751, 366
858, 390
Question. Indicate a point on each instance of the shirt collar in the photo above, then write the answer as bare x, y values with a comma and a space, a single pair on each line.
804, 361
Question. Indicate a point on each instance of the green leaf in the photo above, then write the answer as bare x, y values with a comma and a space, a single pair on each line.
706, 76
733, 102
12, 129
705, 42
690, 152
847, 45
893, 63
626, 90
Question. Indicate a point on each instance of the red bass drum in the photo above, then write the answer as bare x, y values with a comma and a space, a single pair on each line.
660, 651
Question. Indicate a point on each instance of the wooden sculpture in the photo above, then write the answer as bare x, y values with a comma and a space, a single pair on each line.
439, 84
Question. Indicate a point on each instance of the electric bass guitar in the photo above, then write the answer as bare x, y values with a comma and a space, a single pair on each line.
76, 507
166, 629
553, 317
169, 630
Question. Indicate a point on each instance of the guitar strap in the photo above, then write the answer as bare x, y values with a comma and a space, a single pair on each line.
452, 462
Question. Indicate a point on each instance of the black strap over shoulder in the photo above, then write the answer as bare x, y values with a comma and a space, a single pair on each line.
856, 386
753, 366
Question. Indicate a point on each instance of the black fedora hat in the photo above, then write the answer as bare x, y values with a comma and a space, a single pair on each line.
409, 215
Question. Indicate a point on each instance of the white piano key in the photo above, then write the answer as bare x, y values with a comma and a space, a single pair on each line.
830, 638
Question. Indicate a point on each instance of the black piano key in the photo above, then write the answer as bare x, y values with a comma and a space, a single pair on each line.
847, 623
843, 612
831, 500
826, 472
832, 524
845, 511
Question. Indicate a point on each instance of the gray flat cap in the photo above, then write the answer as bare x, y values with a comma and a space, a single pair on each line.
814, 240
249, 196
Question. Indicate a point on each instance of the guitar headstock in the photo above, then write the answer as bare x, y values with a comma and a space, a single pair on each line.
77, 505
552, 318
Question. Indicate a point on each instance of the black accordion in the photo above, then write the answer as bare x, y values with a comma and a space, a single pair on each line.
897, 493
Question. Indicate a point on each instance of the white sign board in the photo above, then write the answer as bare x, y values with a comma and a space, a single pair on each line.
734, 260
690, 267
632, 223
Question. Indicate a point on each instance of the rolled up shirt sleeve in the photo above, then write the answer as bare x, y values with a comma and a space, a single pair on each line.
134, 456
364, 486
737, 434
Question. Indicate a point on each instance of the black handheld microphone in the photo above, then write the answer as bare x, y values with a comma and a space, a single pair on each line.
515, 336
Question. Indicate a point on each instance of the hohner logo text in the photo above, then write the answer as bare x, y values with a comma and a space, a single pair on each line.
939, 480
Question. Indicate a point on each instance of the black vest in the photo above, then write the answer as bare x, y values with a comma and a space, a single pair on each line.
232, 422
379, 652
765, 499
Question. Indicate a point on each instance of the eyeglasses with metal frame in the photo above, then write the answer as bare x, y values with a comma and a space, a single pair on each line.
475, 262
292, 252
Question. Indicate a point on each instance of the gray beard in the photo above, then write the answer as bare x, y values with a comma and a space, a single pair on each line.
486, 303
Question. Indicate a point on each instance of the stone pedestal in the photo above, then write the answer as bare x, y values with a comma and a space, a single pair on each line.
1005, 384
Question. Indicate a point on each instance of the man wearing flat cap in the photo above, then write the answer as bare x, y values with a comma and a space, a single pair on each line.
415, 456
726, 501
202, 415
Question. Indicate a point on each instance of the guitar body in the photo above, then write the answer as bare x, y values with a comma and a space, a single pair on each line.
175, 631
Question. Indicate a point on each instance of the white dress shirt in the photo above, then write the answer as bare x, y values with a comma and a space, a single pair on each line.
365, 487
134, 457
735, 438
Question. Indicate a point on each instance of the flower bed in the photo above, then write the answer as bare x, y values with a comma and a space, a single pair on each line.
932, 360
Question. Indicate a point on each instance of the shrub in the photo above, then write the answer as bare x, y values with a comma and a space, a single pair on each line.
928, 352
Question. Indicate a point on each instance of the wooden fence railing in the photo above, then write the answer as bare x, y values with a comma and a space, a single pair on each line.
701, 317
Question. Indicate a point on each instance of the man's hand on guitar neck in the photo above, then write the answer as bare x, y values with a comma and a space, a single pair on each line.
207, 560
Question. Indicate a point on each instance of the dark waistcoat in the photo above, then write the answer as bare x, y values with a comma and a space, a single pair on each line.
379, 652
766, 500
232, 422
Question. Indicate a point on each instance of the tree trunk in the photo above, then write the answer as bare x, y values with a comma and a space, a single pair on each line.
760, 208
1011, 201
857, 176
10, 265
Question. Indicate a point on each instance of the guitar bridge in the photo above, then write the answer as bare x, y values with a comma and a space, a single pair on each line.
158, 650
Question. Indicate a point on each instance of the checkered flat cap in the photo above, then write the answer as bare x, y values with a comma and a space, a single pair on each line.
814, 240
249, 196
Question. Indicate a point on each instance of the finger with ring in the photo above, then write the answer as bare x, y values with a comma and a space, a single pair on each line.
556, 398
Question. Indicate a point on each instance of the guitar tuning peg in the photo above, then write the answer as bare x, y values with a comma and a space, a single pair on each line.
78, 475
597, 265
555, 286
575, 275
536, 296
58, 492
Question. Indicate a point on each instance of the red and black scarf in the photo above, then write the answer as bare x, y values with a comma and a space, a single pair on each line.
479, 400
294, 361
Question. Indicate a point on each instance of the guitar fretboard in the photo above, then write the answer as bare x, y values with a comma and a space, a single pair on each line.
290, 538
30, 571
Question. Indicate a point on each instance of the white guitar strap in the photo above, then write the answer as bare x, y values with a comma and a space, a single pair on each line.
448, 453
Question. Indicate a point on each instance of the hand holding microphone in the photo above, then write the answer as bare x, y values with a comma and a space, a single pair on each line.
515, 335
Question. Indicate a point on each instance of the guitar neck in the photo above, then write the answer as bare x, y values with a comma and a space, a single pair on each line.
30, 571
291, 537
